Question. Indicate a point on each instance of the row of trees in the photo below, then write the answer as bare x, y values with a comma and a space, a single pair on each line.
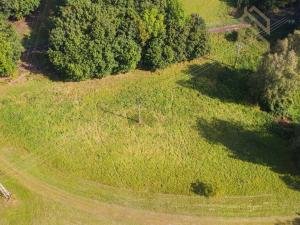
94, 38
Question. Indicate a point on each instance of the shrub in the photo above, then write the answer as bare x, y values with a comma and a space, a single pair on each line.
18, 8
11, 49
93, 38
277, 79
203, 189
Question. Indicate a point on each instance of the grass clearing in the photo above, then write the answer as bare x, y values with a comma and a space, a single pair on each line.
28, 208
214, 12
197, 128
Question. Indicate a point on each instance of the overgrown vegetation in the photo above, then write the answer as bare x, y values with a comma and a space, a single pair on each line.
265, 4
94, 38
274, 85
11, 49
199, 140
18, 8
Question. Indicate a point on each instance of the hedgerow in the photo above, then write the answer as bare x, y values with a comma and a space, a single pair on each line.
94, 38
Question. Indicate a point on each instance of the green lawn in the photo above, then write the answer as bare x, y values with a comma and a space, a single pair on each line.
197, 128
214, 12
29, 208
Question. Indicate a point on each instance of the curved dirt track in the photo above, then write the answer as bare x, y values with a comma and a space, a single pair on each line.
122, 214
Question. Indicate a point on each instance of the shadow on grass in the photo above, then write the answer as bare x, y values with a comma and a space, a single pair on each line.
256, 146
36, 45
219, 81
295, 221
106, 110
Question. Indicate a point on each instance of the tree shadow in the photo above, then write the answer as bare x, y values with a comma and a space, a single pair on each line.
262, 147
218, 80
295, 221
107, 110
35, 57
231, 3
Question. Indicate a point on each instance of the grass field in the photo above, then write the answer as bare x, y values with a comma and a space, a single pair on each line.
197, 129
214, 12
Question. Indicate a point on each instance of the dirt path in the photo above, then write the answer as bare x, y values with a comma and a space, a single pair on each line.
122, 214
229, 28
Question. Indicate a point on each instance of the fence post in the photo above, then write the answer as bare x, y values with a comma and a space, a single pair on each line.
6, 194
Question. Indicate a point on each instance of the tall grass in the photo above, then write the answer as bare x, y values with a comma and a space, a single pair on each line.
197, 125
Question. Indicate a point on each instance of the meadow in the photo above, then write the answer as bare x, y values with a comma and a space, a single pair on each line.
198, 128
214, 12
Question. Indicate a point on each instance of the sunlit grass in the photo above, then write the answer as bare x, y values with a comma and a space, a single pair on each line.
197, 125
214, 12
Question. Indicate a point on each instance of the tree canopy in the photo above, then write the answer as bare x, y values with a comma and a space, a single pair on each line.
94, 38
11, 49
18, 8
277, 79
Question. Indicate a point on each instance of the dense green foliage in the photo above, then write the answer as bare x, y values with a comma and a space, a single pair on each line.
94, 38
278, 77
11, 49
18, 8
265, 4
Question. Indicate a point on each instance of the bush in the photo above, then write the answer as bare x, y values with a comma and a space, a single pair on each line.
11, 49
203, 189
277, 79
18, 8
91, 39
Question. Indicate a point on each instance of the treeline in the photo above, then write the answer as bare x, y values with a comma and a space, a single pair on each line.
94, 38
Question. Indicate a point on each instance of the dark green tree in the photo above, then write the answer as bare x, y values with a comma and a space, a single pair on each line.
18, 8
277, 79
11, 49
92, 38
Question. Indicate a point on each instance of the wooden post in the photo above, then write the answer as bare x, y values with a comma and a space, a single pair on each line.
139, 111
239, 47
6, 194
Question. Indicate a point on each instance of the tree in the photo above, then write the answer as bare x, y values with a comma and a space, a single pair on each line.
127, 54
197, 39
81, 45
93, 38
18, 8
11, 49
158, 54
275, 82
